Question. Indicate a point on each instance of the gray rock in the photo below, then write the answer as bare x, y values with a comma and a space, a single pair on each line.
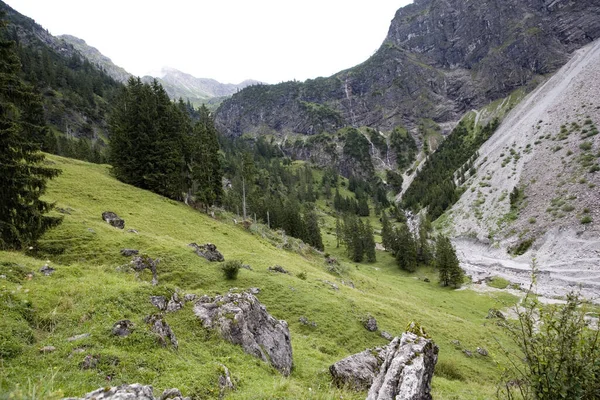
208, 251
175, 303
130, 392
493, 313
241, 319
357, 371
304, 321
331, 284
133, 231
190, 297
113, 219
254, 290
246, 266
78, 337
47, 349
455, 342
278, 268
47, 270
122, 328
370, 323
89, 362
129, 252
468, 353
159, 302
482, 351
162, 330
225, 381
2, 276
407, 369
143, 262
386, 335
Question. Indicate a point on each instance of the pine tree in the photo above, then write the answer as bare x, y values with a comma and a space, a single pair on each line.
313, 233
447, 263
23, 176
406, 249
369, 242
387, 232
206, 166
423, 249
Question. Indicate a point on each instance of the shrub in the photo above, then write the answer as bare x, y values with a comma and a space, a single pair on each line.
302, 275
586, 219
231, 269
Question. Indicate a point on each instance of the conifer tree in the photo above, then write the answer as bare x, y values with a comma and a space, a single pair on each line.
406, 249
447, 263
23, 177
423, 249
387, 232
369, 242
313, 233
206, 166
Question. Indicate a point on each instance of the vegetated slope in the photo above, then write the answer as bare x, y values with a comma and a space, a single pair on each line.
439, 60
537, 185
93, 288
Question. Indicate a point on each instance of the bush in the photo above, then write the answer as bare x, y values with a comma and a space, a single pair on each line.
586, 219
302, 275
231, 269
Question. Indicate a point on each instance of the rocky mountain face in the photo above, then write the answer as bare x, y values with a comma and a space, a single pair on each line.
535, 194
440, 59
97, 58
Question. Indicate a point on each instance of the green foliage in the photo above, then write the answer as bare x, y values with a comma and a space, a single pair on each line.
447, 263
23, 215
357, 147
558, 356
498, 283
387, 233
404, 146
358, 238
521, 247
231, 268
434, 186
405, 249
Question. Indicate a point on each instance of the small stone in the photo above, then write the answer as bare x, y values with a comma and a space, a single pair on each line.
175, 303
208, 251
133, 231
162, 330
129, 252
190, 297
174, 394
122, 328
254, 290
468, 353
482, 351
113, 219
370, 323
455, 342
89, 362
246, 266
47, 349
386, 335
277, 268
159, 302
47, 270
90, 230
78, 337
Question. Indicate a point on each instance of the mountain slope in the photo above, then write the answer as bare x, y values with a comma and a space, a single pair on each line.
546, 154
93, 288
439, 60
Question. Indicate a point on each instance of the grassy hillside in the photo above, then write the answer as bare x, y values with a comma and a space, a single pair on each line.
92, 288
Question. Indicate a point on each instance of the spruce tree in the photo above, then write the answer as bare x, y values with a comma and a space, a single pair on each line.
313, 233
406, 249
206, 166
23, 177
387, 232
369, 242
423, 249
447, 263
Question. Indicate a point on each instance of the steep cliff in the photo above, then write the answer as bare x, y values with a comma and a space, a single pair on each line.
440, 59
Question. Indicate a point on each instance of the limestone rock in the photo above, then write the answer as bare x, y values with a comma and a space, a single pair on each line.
113, 219
122, 328
47, 349
357, 371
370, 323
190, 297
162, 330
78, 337
386, 335
130, 392
482, 351
493, 313
208, 251
225, 381
47, 270
175, 303
278, 268
129, 252
241, 319
159, 302
143, 262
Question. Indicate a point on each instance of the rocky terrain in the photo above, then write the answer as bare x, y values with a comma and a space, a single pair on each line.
546, 154
439, 60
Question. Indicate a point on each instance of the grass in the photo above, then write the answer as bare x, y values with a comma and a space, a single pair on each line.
92, 288
498, 283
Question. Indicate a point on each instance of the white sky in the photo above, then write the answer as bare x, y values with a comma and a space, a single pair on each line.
227, 40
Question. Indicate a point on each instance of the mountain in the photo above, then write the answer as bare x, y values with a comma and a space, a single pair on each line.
97, 58
439, 60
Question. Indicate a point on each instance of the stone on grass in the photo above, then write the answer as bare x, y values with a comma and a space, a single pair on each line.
143, 262
358, 370
386, 335
370, 323
47, 270
47, 349
175, 303
208, 251
129, 252
122, 328
225, 381
78, 337
130, 392
162, 330
278, 268
482, 351
89, 362
113, 219
159, 302
241, 319
493, 313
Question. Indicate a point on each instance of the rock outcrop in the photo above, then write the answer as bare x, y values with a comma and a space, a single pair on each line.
401, 370
208, 251
130, 392
113, 219
162, 330
241, 319
140, 263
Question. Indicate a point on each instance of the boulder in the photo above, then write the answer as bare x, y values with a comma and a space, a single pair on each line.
130, 392
129, 252
370, 323
113, 219
208, 251
493, 313
241, 319
175, 303
159, 302
482, 351
386, 335
162, 330
47, 270
401, 370
122, 328
278, 268
143, 262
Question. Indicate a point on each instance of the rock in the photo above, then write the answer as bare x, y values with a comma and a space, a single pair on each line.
89, 362
113, 219
208, 251
47, 349
90, 230
331, 284
468, 353
162, 330
122, 328
66, 211
401, 370
246, 266
407, 369
190, 297
254, 290
426, 280
175, 303
133, 231
2, 276
130, 392
331, 261
278, 268
357, 371
370, 323
482, 351
456, 343
225, 382
129, 252
241, 319
159, 302
47, 270
304, 321
386, 335
348, 283
493, 313
78, 337
143, 262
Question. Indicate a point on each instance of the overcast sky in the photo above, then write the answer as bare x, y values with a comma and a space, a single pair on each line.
228, 40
